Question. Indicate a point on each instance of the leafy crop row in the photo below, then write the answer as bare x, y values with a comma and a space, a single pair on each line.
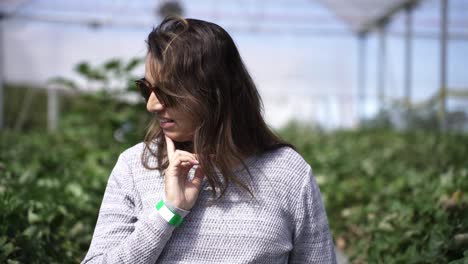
391, 197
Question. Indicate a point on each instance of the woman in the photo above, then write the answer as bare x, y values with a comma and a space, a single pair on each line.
210, 183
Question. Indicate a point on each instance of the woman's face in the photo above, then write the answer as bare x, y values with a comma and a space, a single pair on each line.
175, 124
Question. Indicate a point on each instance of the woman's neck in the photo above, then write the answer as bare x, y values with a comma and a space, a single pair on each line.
186, 146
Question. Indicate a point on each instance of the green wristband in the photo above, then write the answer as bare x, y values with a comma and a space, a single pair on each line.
166, 213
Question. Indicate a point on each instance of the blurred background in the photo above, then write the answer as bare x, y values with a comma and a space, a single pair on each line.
374, 94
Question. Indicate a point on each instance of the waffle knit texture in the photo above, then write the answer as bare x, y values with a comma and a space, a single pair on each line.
284, 223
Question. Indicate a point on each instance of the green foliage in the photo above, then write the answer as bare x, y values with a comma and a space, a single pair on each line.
421, 116
392, 197
111, 78
25, 107
51, 185
112, 81
50, 190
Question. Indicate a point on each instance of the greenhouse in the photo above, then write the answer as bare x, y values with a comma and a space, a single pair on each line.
373, 94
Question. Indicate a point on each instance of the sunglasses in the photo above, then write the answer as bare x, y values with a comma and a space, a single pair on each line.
145, 88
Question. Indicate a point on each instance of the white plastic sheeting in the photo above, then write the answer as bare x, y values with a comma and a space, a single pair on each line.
363, 15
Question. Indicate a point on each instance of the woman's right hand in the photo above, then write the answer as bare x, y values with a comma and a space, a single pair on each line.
180, 191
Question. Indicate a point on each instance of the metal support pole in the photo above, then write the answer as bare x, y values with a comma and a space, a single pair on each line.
52, 109
408, 54
2, 58
381, 65
443, 64
362, 77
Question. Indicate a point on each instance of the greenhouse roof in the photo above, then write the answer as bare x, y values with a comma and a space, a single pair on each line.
302, 17
359, 15
364, 15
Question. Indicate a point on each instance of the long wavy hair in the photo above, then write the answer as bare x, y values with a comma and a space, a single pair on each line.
197, 69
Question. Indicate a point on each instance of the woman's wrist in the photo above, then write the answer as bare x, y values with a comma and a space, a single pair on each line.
175, 209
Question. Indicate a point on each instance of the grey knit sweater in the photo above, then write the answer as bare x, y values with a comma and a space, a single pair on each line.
285, 223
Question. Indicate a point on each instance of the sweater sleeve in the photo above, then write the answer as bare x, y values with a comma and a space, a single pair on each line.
312, 239
121, 235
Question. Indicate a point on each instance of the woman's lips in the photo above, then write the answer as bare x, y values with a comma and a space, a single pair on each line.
166, 123
166, 119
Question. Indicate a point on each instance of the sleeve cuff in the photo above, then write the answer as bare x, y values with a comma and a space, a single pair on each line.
155, 223
175, 209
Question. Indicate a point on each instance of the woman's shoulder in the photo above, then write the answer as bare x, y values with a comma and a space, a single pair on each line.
135, 152
287, 160
285, 171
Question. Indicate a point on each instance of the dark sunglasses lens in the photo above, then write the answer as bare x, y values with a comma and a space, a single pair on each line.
144, 89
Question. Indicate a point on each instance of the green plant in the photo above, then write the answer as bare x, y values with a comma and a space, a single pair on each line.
391, 197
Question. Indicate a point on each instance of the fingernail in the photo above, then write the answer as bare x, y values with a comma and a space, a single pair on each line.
195, 161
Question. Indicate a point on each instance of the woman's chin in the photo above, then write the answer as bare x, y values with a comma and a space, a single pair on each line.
178, 138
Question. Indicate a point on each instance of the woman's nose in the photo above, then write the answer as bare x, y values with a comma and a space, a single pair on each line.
153, 104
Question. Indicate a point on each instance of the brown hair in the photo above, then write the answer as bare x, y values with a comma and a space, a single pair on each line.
197, 68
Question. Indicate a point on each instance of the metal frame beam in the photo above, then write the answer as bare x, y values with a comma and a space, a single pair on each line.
2, 106
371, 24
364, 16
362, 74
408, 55
381, 64
443, 64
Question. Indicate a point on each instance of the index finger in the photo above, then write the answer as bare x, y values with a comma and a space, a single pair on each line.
170, 147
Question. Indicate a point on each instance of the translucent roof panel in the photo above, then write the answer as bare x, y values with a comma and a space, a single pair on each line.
10, 6
275, 16
99, 12
363, 15
305, 17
